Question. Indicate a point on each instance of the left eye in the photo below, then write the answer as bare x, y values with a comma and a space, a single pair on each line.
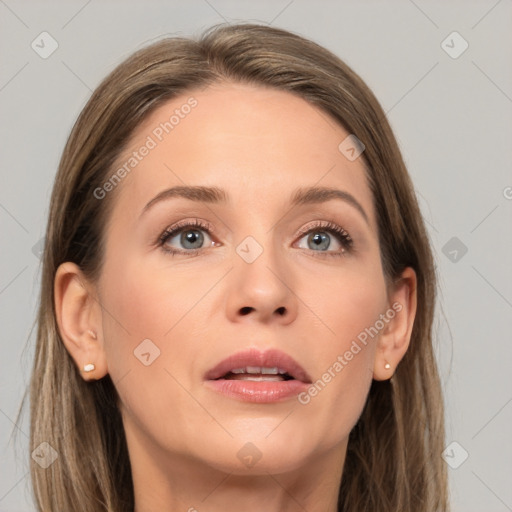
320, 239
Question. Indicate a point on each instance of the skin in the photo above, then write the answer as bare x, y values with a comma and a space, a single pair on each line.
258, 145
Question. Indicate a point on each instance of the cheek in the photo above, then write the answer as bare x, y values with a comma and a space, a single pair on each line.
149, 345
345, 303
149, 300
168, 307
140, 304
348, 307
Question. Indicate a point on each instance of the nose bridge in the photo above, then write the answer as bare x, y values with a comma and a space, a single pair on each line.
256, 262
260, 278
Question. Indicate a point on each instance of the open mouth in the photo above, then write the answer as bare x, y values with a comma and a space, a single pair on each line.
257, 374
254, 365
260, 377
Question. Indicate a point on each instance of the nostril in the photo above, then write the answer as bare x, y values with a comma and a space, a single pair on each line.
247, 309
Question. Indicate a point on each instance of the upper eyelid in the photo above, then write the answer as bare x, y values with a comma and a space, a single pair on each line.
322, 225
194, 223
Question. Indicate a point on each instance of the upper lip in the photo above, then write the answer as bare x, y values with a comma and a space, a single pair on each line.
253, 357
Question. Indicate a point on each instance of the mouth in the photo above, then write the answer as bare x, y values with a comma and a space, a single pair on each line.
256, 376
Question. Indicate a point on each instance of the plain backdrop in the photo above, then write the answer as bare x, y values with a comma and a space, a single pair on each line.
441, 70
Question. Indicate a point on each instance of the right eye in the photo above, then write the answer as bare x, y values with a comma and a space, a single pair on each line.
188, 235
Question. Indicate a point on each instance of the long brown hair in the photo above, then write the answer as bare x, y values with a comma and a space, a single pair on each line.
393, 460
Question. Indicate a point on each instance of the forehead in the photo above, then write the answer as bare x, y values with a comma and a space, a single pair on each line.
257, 143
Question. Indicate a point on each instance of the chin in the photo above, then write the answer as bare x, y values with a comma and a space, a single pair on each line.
283, 461
256, 454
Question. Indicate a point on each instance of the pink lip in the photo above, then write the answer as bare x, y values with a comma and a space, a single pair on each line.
261, 392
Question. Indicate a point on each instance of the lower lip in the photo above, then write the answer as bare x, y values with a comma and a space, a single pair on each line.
259, 392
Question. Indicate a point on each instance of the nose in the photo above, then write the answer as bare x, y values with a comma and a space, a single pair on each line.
261, 290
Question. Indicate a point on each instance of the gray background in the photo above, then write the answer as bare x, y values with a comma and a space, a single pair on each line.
452, 117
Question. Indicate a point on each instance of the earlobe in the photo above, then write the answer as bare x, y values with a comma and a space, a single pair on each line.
395, 339
79, 321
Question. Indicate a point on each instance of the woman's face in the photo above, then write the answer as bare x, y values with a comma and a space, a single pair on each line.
254, 271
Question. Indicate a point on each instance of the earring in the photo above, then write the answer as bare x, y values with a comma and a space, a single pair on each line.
92, 333
89, 367
387, 366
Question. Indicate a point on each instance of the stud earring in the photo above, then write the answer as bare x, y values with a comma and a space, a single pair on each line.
89, 367
387, 366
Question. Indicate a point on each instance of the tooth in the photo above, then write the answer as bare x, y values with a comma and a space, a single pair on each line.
261, 378
270, 371
259, 370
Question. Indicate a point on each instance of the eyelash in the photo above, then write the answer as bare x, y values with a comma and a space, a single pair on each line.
329, 227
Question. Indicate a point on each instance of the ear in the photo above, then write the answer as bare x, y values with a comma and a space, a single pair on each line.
396, 336
79, 320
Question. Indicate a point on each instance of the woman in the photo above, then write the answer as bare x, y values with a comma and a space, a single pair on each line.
237, 293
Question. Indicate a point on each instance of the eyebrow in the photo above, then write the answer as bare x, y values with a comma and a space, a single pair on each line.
315, 195
215, 195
